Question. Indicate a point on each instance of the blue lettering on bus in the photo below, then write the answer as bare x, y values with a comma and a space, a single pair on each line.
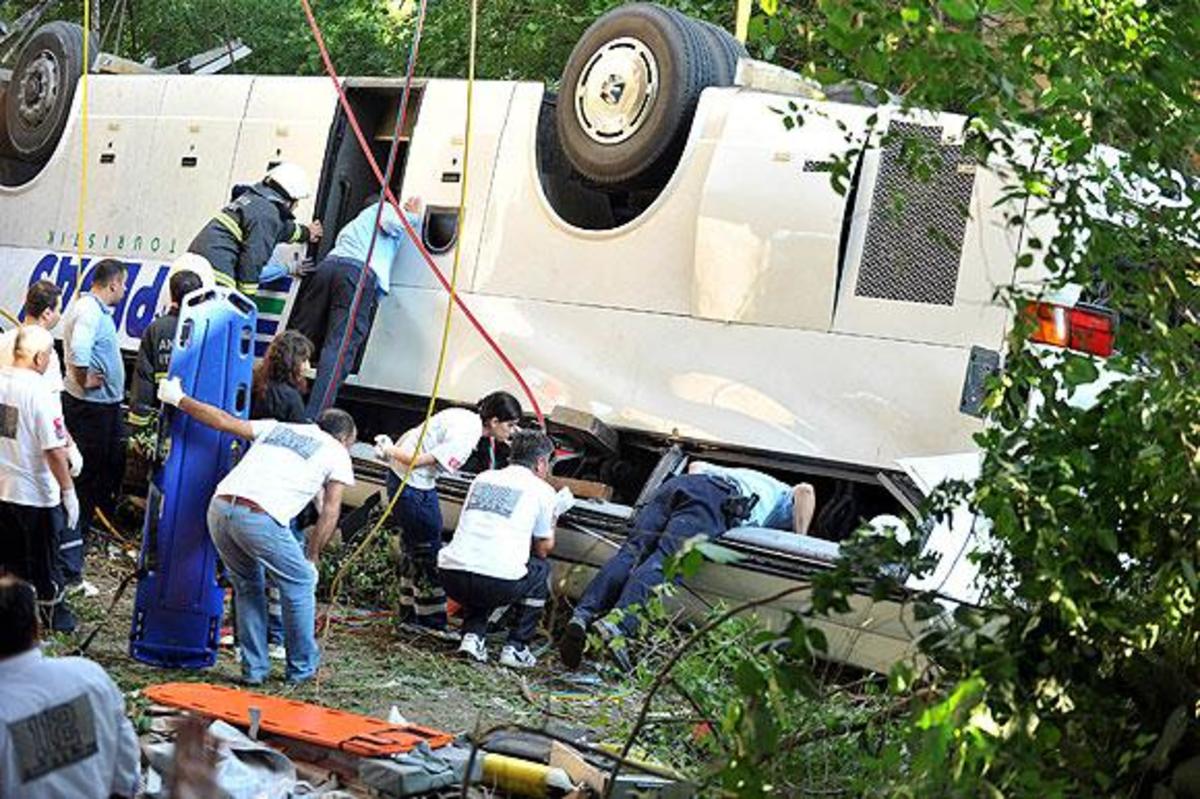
135, 311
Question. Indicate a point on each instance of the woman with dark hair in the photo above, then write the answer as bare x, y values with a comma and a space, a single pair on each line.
279, 379
449, 441
277, 394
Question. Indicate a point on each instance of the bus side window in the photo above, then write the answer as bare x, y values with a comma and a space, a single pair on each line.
440, 229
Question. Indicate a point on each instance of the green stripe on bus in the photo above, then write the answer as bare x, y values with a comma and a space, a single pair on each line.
269, 304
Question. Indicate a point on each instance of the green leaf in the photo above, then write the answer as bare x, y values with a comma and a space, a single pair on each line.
910, 15
769, 7
749, 679
900, 677
1079, 370
959, 10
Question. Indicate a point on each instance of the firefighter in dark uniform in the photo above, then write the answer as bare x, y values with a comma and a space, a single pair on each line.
153, 359
239, 240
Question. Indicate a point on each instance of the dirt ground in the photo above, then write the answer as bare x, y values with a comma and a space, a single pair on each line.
368, 668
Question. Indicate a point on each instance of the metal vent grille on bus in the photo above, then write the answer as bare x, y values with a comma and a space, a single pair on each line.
918, 220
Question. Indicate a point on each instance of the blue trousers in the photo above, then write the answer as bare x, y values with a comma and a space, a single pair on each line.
682, 508
274, 608
251, 544
479, 595
322, 312
417, 512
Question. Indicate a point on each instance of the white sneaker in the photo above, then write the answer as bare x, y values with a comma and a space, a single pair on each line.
473, 646
517, 658
276, 652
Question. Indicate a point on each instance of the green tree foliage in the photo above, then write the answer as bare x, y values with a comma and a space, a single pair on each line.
1080, 673
518, 39
1080, 676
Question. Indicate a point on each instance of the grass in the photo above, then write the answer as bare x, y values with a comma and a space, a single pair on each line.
368, 668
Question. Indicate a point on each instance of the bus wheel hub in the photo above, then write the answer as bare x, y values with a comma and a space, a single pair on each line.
615, 91
39, 88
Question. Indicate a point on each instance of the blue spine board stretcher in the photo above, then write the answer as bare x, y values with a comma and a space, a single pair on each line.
178, 608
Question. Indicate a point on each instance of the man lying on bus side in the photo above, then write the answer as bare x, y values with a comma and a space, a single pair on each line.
239, 240
708, 500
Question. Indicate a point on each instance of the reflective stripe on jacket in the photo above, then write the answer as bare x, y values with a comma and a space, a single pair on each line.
239, 239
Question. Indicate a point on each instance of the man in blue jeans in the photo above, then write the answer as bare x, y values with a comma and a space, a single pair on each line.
707, 501
249, 518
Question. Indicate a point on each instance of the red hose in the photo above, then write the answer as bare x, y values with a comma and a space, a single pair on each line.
412, 235
401, 115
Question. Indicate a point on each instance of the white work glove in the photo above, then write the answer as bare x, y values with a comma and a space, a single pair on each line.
70, 504
74, 459
382, 445
170, 392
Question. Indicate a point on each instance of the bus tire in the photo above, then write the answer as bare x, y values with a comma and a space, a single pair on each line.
725, 49
628, 93
38, 100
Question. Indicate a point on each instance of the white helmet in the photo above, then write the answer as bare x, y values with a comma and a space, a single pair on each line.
191, 262
291, 179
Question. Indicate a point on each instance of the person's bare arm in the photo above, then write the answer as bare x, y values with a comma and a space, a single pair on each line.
60, 467
331, 508
804, 505
86, 377
404, 457
542, 547
214, 417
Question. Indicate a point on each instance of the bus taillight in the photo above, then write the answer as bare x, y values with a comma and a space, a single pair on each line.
1085, 328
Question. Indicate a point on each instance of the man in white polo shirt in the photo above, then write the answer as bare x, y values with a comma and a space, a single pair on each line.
42, 301
498, 553
37, 496
63, 728
250, 517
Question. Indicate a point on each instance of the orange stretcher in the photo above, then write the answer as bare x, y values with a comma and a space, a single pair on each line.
333, 729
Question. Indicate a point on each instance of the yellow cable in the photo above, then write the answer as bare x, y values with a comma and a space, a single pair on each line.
83, 140
742, 20
14, 320
441, 362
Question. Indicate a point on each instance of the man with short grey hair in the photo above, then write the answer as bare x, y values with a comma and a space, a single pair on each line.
37, 495
498, 554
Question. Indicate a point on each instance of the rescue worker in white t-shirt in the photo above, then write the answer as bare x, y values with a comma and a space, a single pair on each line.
63, 728
37, 494
250, 516
42, 308
449, 441
498, 554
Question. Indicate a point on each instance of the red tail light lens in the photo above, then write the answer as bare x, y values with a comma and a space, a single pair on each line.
1084, 328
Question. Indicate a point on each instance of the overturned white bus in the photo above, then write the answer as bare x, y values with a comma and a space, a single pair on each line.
651, 247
